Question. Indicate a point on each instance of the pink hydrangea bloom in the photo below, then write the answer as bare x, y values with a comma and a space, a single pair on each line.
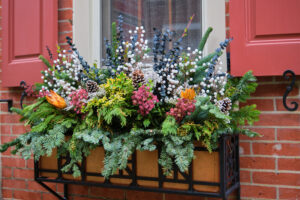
183, 107
144, 99
78, 99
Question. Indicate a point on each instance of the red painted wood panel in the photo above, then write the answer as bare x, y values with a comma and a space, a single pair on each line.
266, 36
28, 26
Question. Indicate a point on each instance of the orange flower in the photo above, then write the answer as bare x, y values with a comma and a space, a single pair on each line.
54, 99
188, 94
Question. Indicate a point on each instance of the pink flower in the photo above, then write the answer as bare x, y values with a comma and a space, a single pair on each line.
78, 98
183, 107
144, 99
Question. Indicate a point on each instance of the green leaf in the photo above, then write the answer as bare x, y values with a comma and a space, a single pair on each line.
146, 123
169, 126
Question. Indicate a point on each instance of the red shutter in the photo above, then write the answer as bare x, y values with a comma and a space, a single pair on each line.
28, 26
266, 36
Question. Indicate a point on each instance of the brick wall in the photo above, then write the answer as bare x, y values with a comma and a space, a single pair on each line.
268, 164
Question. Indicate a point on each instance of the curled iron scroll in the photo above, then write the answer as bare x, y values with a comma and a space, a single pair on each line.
23, 85
287, 75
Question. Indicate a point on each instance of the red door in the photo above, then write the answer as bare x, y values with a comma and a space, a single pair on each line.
266, 36
28, 26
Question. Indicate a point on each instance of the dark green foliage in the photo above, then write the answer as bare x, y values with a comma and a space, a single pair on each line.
241, 88
246, 115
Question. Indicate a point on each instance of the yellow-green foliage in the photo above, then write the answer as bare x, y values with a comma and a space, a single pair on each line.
114, 105
202, 132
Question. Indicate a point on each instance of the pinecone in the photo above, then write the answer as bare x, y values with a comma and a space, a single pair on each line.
91, 86
224, 105
137, 78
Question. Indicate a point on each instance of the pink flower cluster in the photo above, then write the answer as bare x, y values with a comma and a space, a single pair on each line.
43, 93
144, 99
29, 89
78, 98
183, 107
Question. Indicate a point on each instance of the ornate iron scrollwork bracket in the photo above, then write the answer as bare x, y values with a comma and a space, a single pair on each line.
23, 85
287, 75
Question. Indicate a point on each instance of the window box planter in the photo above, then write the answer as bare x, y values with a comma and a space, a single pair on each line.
213, 174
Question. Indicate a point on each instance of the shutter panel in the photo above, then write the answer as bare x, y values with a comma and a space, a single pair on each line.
266, 36
28, 26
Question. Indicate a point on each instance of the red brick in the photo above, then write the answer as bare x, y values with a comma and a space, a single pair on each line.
30, 164
287, 193
65, 47
264, 79
9, 118
33, 185
175, 197
227, 33
47, 196
6, 172
65, 4
292, 134
276, 178
257, 163
282, 149
278, 120
106, 192
19, 129
4, 107
267, 134
245, 176
78, 189
281, 78
7, 193
250, 191
132, 194
24, 173
27, 195
5, 129
15, 95
7, 138
244, 148
227, 7
65, 14
272, 90
13, 162
84, 198
60, 188
62, 37
64, 26
280, 107
289, 164
262, 104
227, 20
9, 183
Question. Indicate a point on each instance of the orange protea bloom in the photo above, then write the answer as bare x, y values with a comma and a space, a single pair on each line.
188, 94
54, 99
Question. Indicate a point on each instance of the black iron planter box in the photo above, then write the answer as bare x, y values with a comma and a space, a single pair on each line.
228, 175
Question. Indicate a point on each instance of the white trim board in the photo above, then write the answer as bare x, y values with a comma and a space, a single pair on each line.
87, 29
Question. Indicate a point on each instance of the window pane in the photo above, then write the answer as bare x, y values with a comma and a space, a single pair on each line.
161, 14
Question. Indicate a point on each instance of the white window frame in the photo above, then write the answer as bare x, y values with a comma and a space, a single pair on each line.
88, 35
